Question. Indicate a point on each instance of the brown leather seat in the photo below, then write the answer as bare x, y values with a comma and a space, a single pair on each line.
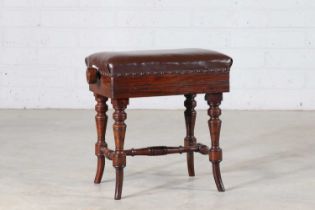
158, 62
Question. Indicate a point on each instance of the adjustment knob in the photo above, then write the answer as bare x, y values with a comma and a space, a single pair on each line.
91, 75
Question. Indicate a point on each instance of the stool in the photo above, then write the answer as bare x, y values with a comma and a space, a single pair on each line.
123, 75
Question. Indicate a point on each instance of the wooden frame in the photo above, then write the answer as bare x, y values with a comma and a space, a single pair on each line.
121, 89
161, 85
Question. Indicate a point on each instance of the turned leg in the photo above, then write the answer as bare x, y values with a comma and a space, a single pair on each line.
119, 127
101, 122
190, 140
215, 153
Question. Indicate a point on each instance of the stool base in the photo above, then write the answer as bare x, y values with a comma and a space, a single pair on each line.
118, 156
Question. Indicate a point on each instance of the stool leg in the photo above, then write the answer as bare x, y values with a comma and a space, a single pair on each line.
101, 123
190, 140
119, 127
215, 153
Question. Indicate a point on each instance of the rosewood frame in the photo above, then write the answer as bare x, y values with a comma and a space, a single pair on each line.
118, 156
120, 89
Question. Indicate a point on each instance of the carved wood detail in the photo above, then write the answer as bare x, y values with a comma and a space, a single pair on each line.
101, 123
158, 150
190, 139
119, 128
215, 153
164, 150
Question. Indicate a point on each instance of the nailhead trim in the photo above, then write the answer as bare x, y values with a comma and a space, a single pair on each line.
137, 74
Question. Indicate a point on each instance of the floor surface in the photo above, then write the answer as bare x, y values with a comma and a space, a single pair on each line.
47, 162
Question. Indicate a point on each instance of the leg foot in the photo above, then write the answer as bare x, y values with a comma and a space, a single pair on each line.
101, 122
217, 177
190, 163
215, 153
190, 140
119, 182
119, 127
99, 170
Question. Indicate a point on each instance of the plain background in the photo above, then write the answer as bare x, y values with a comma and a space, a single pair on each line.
43, 44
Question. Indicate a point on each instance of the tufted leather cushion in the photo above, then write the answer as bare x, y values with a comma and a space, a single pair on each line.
158, 62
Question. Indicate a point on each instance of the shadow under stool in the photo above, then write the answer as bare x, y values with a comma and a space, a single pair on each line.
124, 75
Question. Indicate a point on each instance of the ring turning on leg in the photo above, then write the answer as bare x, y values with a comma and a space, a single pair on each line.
119, 127
190, 140
101, 122
215, 153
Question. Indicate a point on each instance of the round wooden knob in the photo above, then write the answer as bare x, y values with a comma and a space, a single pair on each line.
91, 75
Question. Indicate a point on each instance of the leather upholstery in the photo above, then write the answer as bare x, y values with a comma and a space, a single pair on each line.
158, 62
